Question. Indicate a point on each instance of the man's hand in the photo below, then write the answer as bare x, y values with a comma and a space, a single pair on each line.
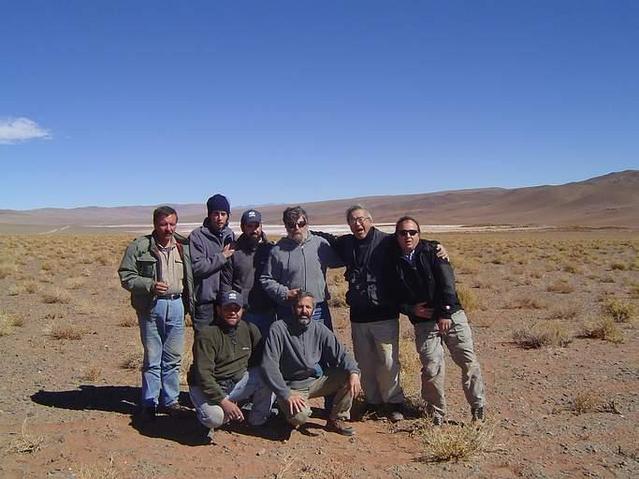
441, 252
231, 410
421, 310
292, 294
354, 385
444, 325
228, 250
160, 288
296, 404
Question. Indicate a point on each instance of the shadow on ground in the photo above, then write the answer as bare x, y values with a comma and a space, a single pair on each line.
184, 430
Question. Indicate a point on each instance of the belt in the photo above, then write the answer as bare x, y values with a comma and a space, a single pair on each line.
170, 296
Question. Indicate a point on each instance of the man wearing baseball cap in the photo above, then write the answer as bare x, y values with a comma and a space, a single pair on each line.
212, 244
223, 373
247, 263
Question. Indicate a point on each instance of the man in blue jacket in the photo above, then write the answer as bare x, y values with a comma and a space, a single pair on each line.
212, 244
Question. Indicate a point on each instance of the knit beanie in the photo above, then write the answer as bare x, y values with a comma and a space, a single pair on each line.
218, 203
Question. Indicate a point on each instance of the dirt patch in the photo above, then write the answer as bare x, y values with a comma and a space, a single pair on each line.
68, 332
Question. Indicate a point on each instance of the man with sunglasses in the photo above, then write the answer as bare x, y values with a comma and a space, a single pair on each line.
424, 286
299, 262
374, 314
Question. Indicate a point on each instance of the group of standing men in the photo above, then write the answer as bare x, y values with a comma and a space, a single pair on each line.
263, 327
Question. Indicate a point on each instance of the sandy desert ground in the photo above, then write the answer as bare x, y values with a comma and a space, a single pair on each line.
555, 324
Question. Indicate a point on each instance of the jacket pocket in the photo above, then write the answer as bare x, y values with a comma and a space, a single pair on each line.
146, 267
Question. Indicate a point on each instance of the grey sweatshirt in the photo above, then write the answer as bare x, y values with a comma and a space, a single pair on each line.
291, 265
291, 353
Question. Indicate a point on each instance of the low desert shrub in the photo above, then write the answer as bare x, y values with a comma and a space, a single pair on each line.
92, 374
604, 328
56, 296
559, 286
132, 361
455, 442
66, 331
620, 311
546, 333
566, 311
526, 302
25, 442
468, 299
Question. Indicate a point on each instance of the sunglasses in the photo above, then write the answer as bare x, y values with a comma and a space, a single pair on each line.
299, 224
407, 232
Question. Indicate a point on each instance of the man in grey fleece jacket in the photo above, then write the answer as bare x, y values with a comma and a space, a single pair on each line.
299, 262
293, 349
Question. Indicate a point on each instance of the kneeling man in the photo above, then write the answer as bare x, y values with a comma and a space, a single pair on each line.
222, 374
290, 363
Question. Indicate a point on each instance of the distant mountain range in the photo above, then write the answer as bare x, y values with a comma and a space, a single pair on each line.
611, 200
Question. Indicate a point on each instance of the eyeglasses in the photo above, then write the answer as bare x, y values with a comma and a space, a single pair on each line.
300, 224
407, 232
360, 220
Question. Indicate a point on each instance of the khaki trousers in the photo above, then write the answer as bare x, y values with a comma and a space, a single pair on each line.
334, 381
376, 350
430, 348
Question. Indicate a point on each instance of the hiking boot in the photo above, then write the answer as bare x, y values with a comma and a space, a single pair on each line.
392, 411
340, 427
145, 413
176, 410
438, 420
478, 413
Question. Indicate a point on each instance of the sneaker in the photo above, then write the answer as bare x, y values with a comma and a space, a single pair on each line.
176, 410
438, 420
340, 427
478, 413
392, 411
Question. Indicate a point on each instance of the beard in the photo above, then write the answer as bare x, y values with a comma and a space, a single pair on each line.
252, 241
304, 321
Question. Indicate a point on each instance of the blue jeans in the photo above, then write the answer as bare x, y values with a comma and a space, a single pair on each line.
321, 313
263, 321
162, 334
251, 386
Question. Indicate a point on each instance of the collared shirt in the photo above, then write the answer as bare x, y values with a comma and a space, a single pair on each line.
171, 267
410, 258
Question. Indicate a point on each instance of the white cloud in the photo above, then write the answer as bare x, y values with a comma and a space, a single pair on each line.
16, 130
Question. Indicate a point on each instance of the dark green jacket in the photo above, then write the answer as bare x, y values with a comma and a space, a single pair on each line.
138, 271
221, 356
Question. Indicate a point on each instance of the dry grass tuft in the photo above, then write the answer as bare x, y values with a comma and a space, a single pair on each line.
99, 472
7, 268
92, 374
68, 331
526, 302
590, 401
620, 311
566, 311
468, 299
560, 286
56, 296
8, 322
30, 286
547, 333
455, 442
132, 361
25, 443
604, 328
128, 321
74, 283
410, 367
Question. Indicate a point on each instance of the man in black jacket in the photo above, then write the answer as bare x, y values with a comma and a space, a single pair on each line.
242, 269
373, 313
424, 286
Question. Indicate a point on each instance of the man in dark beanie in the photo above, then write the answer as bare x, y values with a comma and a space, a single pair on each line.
212, 244
241, 271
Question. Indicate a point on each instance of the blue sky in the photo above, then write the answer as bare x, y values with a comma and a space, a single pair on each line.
136, 102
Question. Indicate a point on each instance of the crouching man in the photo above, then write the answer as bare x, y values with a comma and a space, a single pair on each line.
222, 374
292, 353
